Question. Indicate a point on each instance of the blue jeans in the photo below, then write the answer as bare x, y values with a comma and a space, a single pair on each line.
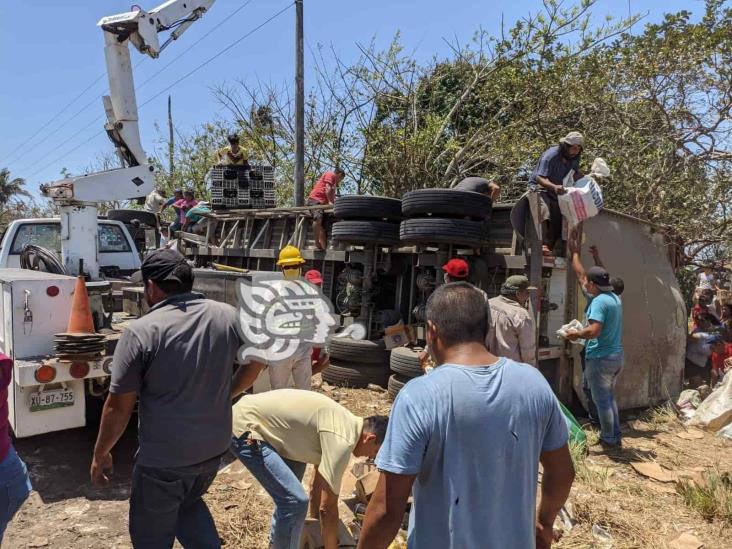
282, 479
591, 408
602, 374
166, 503
15, 486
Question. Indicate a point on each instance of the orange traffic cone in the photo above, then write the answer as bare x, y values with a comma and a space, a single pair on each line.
80, 320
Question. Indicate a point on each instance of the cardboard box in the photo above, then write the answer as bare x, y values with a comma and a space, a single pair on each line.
396, 336
366, 485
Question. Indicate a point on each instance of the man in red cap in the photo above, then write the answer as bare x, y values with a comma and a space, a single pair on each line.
320, 358
456, 270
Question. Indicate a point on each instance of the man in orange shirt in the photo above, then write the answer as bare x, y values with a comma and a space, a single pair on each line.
324, 192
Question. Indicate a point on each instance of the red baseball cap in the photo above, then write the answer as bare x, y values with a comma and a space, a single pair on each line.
314, 277
456, 268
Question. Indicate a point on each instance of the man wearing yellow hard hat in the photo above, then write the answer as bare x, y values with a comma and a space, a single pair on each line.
290, 262
299, 365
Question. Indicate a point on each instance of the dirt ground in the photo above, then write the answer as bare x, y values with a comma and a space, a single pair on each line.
625, 509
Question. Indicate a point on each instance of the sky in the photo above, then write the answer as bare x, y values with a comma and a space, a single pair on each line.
51, 53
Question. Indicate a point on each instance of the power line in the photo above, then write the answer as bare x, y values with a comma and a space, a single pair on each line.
54, 118
194, 44
56, 130
219, 54
97, 98
167, 88
92, 123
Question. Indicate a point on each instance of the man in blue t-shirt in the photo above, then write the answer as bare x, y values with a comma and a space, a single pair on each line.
467, 440
603, 351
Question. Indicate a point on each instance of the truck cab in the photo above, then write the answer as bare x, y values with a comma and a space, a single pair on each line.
118, 255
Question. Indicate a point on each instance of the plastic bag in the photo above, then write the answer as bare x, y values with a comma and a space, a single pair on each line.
576, 434
725, 432
574, 326
582, 201
715, 412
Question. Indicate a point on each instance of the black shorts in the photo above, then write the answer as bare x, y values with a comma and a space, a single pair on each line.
317, 214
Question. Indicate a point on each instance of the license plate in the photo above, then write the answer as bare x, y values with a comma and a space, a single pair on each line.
48, 400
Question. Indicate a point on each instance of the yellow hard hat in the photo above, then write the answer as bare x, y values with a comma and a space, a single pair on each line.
290, 257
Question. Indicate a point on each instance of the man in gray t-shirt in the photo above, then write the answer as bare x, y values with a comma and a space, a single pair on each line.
178, 359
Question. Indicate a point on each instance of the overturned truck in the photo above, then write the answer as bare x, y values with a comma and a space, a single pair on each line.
385, 258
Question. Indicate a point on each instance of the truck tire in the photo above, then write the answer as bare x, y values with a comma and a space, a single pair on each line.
436, 230
446, 203
126, 216
395, 384
358, 350
366, 232
405, 361
357, 376
367, 207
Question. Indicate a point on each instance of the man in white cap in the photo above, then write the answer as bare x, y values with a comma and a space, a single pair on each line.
548, 177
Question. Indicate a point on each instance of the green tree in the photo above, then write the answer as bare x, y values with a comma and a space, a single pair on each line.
11, 188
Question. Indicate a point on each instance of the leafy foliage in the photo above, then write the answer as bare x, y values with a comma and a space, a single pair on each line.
654, 104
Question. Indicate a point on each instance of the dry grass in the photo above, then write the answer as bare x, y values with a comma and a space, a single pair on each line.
591, 475
242, 516
636, 511
661, 418
712, 497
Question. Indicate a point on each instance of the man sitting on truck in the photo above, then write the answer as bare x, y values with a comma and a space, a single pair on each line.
178, 360
323, 193
548, 179
234, 154
181, 207
511, 332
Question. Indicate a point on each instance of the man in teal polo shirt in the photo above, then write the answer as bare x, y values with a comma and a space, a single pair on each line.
604, 350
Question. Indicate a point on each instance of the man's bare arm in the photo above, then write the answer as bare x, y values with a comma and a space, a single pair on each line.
574, 250
592, 331
556, 483
596, 256
327, 511
385, 511
116, 415
245, 377
545, 183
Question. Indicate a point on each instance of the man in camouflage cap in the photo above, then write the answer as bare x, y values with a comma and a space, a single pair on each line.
511, 332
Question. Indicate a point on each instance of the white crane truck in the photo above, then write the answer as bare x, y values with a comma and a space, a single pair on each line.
49, 394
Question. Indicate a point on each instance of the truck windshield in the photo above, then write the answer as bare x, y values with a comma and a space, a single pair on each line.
48, 235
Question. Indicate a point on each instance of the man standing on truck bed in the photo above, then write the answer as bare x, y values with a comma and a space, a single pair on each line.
178, 359
511, 332
548, 178
324, 192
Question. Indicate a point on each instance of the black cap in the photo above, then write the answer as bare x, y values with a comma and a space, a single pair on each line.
600, 277
160, 265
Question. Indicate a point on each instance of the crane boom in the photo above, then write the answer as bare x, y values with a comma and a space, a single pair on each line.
76, 196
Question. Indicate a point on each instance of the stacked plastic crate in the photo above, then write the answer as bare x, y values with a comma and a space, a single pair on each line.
241, 187
261, 187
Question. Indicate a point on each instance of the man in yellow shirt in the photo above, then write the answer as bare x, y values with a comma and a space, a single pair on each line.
233, 154
277, 433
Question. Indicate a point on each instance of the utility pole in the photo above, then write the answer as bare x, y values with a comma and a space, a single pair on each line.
171, 145
299, 108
